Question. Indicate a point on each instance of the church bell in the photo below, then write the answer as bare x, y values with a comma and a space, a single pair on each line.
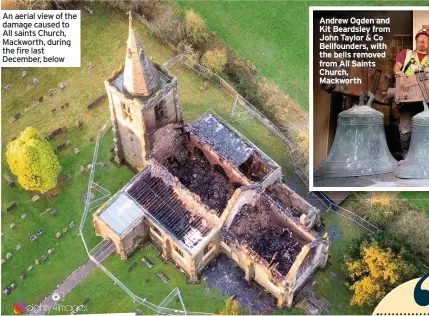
360, 146
416, 164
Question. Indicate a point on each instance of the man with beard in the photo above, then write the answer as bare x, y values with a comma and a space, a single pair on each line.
408, 63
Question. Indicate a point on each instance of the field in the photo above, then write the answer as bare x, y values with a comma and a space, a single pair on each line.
418, 199
103, 43
279, 48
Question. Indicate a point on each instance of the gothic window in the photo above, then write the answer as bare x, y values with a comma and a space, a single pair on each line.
156, 230
179, 251
160, 112
126, 112
210, 246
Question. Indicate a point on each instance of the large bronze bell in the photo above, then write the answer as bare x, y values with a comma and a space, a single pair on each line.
416, 164
360, 146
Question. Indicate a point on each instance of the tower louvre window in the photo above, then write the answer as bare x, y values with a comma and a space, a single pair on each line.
126, 112
160, 112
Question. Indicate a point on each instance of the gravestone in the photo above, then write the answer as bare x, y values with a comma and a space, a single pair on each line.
7, 87
8, 255
62, 85
91, 139
54, 213
163, 277
76, 150
147, 262
39, 232
66, 105
68, 142
35, 198
51, 251
13, 286
204, 86
34, 105
13, 138
82, 169
58, 234
49, 137
89, 166
51, 92
3, 261
23, 216
91, 65
18, 247
44, 256
33, 237
6, 292
11, 206
30, 268
24, 73
78, 124
131, 266
16, 117
65, 230
12, 225
22, 276
36, 261
35, 81
41, 99
9, 180
71, 224
53, 110
62, 107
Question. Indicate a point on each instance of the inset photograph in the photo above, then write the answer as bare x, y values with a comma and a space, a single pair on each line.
369, 112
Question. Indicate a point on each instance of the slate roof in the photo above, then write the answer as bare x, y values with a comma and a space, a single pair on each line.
227, 143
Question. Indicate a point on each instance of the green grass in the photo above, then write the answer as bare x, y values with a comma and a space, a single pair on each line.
331, 284
103, 42
418, 199
273, 35
99, 287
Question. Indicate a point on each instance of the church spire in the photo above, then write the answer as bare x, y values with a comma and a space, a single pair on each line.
140, 75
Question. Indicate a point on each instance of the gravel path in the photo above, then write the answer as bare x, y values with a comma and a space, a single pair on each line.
73, 280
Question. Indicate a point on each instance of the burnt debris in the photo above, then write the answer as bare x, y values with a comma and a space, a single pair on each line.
196, 173
255, 228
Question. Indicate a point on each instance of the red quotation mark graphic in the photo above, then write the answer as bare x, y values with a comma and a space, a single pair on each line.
421, 296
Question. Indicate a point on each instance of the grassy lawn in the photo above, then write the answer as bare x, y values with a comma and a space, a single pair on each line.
105, 297
273, 36
418, 199
330, 284
103, 42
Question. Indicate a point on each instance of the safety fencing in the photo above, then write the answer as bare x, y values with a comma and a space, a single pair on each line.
96, 254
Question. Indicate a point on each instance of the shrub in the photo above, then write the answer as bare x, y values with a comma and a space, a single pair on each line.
380, 208
196, 29
231, 308
168, 26
187, 49
215, 60
32, 159
375, 272
412, 227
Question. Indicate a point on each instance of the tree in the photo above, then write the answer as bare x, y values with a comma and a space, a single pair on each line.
376, 272
215, 60
32, 159
196, 29
231, 308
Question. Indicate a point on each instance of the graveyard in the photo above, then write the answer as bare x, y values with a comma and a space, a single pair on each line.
41, 245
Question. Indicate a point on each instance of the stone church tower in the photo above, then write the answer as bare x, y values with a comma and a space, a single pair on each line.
143, 97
